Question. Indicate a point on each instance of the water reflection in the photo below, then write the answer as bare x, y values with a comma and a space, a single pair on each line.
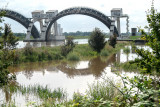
72, 76
93, 67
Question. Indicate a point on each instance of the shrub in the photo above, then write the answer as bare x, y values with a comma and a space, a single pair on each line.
73, 57
150, 61
30, 54
126, 50
68, 47
104, 53
97, 40
113, 41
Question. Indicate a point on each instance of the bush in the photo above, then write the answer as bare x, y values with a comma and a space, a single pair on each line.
73, 57
68, 47
126, 50
97, 40
104, 53
113, 41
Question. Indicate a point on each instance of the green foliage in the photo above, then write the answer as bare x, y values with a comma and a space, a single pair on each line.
31, 55
73, 57
97, 40
68, 47
113, 41
104, 52
126, 50
139, 91
7, 46
102, 90
127, 66
43, 92
134, 37
84, 50
150, 61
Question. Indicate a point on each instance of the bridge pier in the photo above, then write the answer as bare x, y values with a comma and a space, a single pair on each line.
54, 34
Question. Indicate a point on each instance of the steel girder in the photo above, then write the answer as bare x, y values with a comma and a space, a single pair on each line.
84, 11
21, 19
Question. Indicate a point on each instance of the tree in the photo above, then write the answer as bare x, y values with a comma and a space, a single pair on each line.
97, 40
113, 41
7, 45
150, 61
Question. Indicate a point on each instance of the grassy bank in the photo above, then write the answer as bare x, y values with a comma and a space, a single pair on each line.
81, 51
83, 37
135, 37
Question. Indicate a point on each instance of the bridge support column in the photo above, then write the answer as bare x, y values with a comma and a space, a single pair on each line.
118, 26
28, 36
55, 29
112, 28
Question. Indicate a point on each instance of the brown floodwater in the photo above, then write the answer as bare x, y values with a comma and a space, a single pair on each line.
71, 76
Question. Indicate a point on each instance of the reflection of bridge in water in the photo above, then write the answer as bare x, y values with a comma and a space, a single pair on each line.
95, 67
48, 21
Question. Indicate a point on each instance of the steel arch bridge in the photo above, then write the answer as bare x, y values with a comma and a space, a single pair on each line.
21, 19
83, 11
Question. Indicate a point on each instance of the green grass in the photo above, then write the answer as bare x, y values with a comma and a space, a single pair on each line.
81, 51
127, 66
79, 37
43, 92
135, 37
104, 52
105, 90
73, 57
82, 37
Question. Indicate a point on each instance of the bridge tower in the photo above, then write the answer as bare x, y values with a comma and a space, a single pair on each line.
44, 20
116, 14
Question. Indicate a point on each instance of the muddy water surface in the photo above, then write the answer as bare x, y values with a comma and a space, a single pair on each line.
71, 76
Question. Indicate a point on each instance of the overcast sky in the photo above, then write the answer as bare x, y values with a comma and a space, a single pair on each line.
134, 8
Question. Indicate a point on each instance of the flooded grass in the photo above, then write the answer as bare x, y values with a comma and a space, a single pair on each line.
45, 95
126, 66
43, 92
102, 90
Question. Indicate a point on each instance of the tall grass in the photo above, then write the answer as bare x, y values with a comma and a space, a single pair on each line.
43, 92
73, 57
102, 90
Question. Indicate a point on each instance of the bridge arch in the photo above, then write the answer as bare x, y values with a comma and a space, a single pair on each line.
83, 11
21, 19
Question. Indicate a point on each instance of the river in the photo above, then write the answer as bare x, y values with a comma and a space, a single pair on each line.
71, 76
22, 44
